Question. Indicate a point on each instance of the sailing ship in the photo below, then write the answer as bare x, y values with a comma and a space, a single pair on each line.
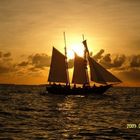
59, 74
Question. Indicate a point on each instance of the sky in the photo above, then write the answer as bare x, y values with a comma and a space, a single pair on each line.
30, 28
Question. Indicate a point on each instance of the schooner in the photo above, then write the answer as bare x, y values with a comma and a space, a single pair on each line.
59, 74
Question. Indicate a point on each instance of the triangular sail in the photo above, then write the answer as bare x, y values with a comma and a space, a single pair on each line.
80, 75
99, 74
58, 69
95, 74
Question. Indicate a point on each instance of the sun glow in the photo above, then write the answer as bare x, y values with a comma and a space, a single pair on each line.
70, 54
75, 48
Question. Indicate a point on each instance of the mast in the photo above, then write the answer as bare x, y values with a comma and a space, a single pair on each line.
65, 49
83, 37
84, 51
85, 59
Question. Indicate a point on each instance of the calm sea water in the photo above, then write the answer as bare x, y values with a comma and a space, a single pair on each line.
26, 114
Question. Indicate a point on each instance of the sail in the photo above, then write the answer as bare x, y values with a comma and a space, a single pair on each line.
95, 74
80, 75
58, 68
99, 74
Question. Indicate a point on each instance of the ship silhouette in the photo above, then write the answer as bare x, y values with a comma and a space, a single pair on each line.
59, 74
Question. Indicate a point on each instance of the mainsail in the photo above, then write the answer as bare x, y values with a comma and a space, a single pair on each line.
58, 68
98, 73
80, 75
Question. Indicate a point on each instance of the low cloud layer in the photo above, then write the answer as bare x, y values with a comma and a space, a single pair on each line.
8, 54
42, 60
108, 62
5, 54
126, 66
99, 55
6, 64
36, 61
135, 61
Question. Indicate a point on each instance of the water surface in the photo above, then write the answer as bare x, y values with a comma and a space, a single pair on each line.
26, 114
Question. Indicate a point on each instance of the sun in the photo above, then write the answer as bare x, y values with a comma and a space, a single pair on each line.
70, 54
75, 48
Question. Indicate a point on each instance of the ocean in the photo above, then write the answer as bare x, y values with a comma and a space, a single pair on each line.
25, 113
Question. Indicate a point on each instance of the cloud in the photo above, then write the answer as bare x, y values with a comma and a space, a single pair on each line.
23, 64
119, 61
99, 54
35, 62
5, 55
6, 67
135, 61
106, 61
8, 54
127, 67
34, 69
109, 61
40, 60
6, 64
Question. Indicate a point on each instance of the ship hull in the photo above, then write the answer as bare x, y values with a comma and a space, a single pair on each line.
65, 90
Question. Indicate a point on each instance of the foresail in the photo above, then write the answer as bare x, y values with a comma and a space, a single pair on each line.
80, 75
99, 74
58, 68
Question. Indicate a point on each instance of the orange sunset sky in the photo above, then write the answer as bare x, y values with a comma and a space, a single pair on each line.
29, 29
